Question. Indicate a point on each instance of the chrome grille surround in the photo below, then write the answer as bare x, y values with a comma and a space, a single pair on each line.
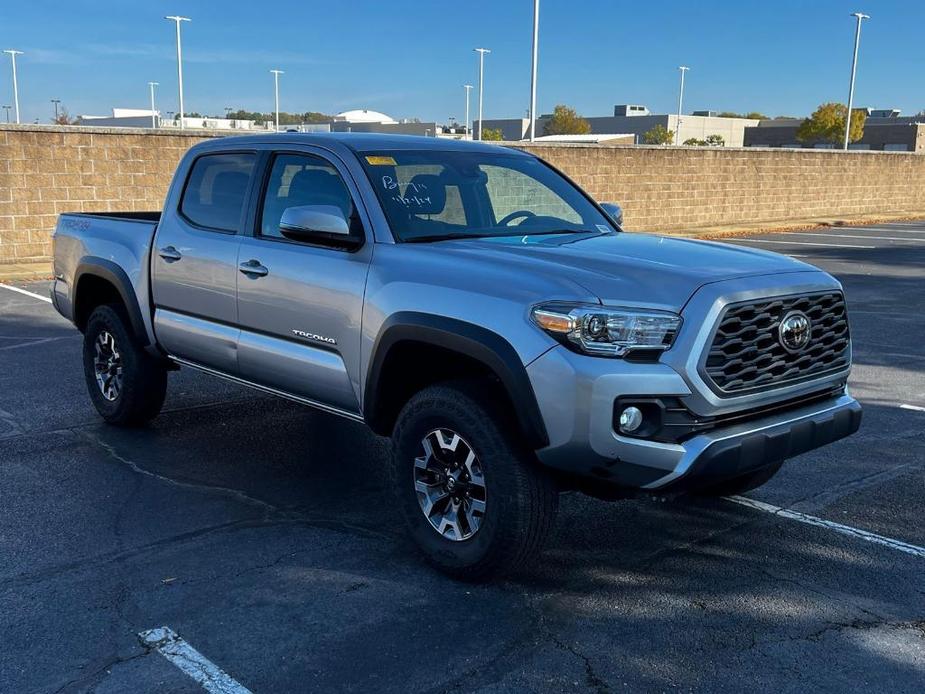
745, 354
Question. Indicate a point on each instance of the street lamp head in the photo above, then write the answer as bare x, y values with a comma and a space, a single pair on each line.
483, 51
860, 15
278, 72
12, 51
154, 84
467, 86
682, 68
177, 18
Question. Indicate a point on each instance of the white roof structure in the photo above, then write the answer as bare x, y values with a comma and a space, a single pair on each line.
585, 137
364, 116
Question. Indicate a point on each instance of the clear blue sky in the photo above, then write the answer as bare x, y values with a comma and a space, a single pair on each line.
409, 58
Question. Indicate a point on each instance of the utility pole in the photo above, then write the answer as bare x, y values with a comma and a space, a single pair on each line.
178, 19
152, 85
854, 67
481, 52
468, 88
13, 53
536, 40
677, 136
56, 102
276, 74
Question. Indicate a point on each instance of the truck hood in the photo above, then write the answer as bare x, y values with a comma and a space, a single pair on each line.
629, 268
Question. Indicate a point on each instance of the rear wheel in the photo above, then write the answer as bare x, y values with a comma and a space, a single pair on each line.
126, 384
473, 497
745, 483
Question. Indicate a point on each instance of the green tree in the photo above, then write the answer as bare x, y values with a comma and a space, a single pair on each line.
754, 115
827, 124
658, 135
694, 142
715, 141
493, 134
566, 121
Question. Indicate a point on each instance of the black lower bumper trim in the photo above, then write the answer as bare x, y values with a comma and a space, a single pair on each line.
740, 455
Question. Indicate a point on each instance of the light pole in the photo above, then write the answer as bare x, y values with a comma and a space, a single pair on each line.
276, 74
854, 67
13, 53
481, 52
178, 19
56, 102
536, 41
468, 88
152, 85
7, 108
677, 136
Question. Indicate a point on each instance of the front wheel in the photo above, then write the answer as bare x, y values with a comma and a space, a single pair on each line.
473, 497
127, 385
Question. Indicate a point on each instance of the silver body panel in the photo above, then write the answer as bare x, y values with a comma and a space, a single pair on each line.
308, 328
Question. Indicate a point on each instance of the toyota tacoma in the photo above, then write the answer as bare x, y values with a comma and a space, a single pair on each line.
475, 305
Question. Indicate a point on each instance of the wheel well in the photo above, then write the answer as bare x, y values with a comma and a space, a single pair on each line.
93, 291
411, 366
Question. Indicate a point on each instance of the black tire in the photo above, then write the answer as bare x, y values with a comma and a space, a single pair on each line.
745, 483
143, 386
521, 499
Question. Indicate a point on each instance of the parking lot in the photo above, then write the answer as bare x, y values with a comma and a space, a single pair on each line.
262, 534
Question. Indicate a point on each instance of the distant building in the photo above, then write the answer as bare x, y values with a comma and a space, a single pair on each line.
141, 118
891, 132
635, 120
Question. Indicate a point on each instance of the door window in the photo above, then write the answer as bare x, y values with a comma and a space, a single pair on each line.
302, 179
216, 189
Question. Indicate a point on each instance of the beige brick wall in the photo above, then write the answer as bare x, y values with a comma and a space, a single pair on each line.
45, 170
673, 188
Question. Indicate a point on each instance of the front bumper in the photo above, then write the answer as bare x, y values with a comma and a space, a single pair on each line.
576, 396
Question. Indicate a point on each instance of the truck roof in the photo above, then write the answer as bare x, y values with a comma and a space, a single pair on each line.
363, 142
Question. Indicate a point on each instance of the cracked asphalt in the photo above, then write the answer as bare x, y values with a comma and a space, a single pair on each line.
261, 533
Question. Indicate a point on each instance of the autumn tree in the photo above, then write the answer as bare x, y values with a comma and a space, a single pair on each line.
566, 121
659, 135
827, 124
493, 134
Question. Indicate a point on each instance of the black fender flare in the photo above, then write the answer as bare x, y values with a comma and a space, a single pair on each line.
116, 276
474, 341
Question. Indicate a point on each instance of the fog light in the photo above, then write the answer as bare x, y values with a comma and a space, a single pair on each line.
630, 420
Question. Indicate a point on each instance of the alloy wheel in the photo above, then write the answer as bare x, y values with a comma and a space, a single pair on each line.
107, 365
450, 485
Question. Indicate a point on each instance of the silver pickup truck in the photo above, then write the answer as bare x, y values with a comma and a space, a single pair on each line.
476, 306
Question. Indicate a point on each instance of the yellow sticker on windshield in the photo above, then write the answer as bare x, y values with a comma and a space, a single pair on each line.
376, 160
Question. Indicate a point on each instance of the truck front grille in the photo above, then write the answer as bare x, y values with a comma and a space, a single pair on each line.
747, 353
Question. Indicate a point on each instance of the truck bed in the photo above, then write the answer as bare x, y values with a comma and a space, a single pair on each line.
147, 216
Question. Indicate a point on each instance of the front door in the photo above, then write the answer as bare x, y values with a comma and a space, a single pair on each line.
300, 310
195, 261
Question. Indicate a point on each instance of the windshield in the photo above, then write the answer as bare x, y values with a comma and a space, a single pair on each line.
432, 195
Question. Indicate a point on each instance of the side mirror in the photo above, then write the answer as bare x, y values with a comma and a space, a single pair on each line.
313, 221
614, 211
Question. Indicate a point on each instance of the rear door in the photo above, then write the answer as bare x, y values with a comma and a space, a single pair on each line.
300, 317
195, 260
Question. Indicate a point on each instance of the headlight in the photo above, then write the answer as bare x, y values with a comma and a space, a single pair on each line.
607, 332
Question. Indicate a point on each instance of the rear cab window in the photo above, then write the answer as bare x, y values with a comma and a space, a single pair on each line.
216, 190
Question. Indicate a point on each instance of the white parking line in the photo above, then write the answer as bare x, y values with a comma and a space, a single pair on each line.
881, 229
27, 293
914, 408
800, 243
170, 645
856, 236
830, 525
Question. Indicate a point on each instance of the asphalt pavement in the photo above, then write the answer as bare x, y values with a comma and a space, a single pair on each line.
261, 534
